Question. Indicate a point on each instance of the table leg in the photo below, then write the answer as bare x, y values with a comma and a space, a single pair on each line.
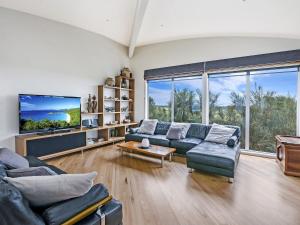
162, 161
170, 157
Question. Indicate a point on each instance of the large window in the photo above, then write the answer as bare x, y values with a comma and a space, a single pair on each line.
262, 102
227, 100
160, 99
187, 100
175, 100
273, 106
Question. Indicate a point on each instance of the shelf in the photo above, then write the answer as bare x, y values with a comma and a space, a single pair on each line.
112, 100
96, 113
110, 140
108, 126
112, 112
118, 88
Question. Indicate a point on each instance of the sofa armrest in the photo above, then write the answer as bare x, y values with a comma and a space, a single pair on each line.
233, 141
77, 208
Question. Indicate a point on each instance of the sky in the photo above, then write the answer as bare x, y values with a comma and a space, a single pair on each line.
283, 83
32, 102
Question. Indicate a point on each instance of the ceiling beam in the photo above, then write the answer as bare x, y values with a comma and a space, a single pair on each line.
140, 10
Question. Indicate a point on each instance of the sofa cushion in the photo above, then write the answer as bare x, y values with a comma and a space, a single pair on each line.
185, 144
45, 190
184, 126
3, 169
31, 171
160, 140
237, 131
148, 127
133, 130
232, 141
219, 134
60, 212
136, 137
35, 162
12, 160
197, 130
162, 128
174, 133
213, 154
14, 208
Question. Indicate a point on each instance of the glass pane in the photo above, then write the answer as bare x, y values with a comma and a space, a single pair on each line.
159, 101
187, 100
273, 107
227, 100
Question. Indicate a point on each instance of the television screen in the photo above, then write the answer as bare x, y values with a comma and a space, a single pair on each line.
44, 112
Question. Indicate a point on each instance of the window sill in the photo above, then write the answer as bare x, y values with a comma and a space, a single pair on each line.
259, 154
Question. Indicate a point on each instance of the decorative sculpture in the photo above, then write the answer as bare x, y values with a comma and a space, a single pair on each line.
94, 104
89, 104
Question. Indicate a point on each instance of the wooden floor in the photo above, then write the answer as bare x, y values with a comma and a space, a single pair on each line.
260, 195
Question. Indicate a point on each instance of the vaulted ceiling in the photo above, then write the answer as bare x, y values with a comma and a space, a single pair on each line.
141, 22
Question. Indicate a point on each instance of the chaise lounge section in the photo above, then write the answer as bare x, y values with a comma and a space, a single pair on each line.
220, 159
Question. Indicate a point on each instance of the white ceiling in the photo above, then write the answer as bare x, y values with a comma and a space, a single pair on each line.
166, 20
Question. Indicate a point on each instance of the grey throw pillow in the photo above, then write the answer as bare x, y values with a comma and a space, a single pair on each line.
174, 133
31, 171
219, 134
184, 128
12, 160
148, 127
45, 190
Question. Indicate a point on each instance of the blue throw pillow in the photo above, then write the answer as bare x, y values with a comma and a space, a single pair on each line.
174, 133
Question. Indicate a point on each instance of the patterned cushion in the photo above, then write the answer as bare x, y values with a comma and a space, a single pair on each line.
219, 134
174, 133
148, 127
185, 127
162, 128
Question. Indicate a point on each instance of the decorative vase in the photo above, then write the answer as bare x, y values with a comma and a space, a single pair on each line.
145, 143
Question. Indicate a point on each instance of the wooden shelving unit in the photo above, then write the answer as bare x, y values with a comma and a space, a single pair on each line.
112, 96
103, 131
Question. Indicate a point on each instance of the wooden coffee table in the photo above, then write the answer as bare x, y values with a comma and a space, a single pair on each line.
154, 150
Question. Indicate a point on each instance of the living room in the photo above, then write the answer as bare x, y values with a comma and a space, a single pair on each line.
149, 112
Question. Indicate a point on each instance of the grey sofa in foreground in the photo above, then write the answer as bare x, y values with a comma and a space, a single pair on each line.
210, 157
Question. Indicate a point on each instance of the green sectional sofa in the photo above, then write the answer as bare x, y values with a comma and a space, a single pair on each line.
201, 155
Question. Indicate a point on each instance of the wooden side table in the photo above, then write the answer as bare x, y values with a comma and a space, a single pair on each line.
288, 154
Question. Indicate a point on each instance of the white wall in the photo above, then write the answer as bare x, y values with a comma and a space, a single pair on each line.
39, 56
198, 50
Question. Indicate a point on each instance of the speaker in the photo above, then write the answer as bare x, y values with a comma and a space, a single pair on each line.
51, 145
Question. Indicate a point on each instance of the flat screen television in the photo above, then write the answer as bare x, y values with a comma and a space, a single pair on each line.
42, 113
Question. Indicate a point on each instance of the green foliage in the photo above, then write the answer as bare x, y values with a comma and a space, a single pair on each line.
75, 116
45, 124
270, 114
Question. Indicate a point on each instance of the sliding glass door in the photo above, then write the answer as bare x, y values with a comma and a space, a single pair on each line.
188, 100
273, 106
160, 99
227, 100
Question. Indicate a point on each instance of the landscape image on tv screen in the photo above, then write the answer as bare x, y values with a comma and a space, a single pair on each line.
40, 112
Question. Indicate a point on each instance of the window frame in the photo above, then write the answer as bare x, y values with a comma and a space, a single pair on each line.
173, 80
205, 101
